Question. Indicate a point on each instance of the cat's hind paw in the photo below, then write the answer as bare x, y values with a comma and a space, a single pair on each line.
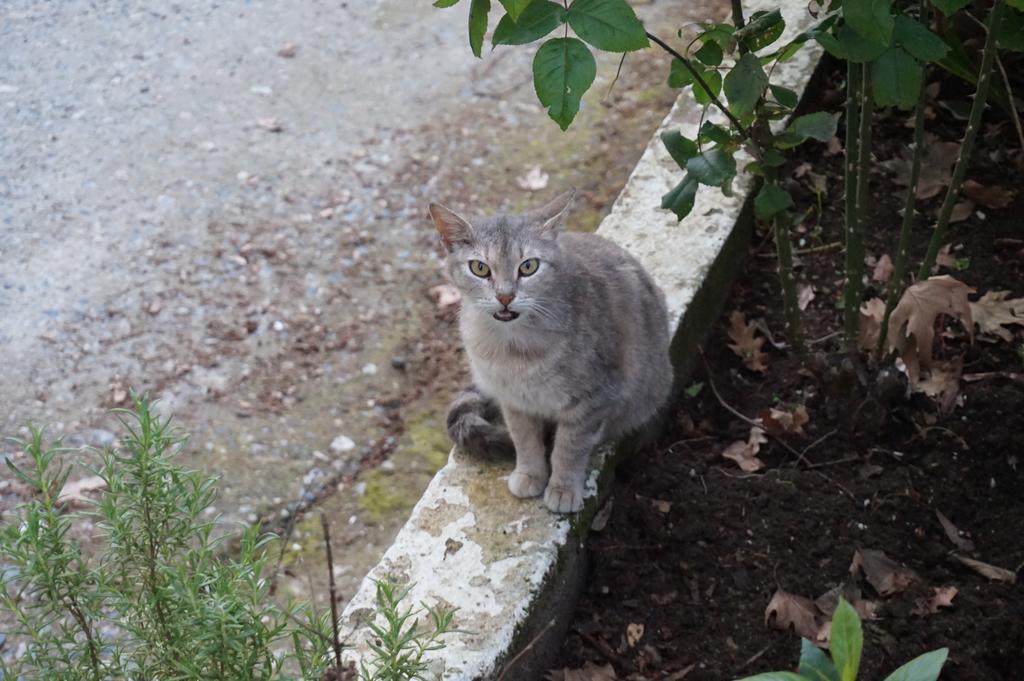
563, 498
524, 485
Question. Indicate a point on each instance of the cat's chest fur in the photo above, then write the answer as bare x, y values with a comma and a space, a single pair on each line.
520, 377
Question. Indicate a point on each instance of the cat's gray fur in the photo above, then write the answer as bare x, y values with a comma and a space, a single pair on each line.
587, 355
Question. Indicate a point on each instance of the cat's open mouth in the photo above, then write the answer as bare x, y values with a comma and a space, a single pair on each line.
505, 315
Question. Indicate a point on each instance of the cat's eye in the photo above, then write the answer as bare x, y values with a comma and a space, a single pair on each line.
529, 266
480, 269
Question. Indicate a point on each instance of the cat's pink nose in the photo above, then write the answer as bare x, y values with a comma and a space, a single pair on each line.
505, 298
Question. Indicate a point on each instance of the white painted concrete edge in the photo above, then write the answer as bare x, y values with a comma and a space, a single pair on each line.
501, 561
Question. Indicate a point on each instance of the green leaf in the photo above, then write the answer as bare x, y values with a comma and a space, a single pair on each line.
784, 96
694, 388
722, 34
744, 84
916, 39
1010, 34
563, 69
855, 48
709, 53
814, 664
924, 668
773, 159
515, 8
713, 132
478, 11
714, 167
680, 199
950, 7
820, 126
445, 3
846, 641
775, 676
896, 79
763, 29
678, 75
680, 148
607, 25
713, 79
871, 19
771, 201
1015, 4
536, 21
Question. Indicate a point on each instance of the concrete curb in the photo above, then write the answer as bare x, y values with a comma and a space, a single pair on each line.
512, 568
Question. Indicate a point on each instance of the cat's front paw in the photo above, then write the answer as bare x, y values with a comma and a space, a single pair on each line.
525, 485
564, 498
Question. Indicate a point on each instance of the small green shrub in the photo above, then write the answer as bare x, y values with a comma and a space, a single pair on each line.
846, 642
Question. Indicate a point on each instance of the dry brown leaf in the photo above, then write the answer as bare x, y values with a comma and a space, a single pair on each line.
988, 570
779, 421
912, 323
883, 269
941, 598
445, 295
953, 533
988, 196
828, 601
872, 312
77, 492
634, 632
270, 124
943, 384
681, 674
833, 146
661, 506
745, 453
882, 572
804, 295
961, 211
745, 344
785, 610
287, 51
994, 310
944, 258
936, 166
588, 672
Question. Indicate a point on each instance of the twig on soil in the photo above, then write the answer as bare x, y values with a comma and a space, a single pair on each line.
824, 338
837, 484
824, 248
835, 462
803, 454
758, 655
602, 647
1011, 375
335, 638
526, 648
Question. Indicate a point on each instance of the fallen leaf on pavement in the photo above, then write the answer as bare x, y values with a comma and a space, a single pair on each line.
271, 124
869, 326
883, 269
745, 453
786, 610
994, 311
77, 492
987, 569
988, 196
942, 598
588, 672
534, 180
745, 344
882, 572
779, 421
445, 295
936, 166
287, 51
912, 323
953, 533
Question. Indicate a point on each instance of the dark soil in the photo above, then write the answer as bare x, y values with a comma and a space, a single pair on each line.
695, 548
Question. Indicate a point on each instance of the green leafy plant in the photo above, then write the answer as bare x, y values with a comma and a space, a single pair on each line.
400, 642
846, 642
158, 599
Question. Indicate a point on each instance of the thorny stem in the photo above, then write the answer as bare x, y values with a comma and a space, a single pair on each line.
855, 89
784, 252
988, 54
899, 269
697, 78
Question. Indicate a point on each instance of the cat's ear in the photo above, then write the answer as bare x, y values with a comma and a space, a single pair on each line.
552, 215
450, 226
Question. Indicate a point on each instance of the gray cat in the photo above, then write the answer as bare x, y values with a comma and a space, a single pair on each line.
564, 332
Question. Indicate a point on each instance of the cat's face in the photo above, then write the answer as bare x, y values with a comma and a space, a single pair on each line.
506, 267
